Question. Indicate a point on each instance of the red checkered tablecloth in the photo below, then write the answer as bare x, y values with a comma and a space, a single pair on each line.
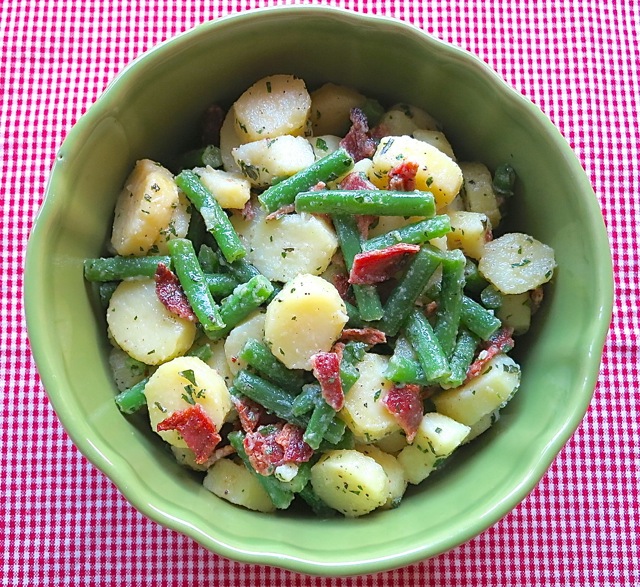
63, 523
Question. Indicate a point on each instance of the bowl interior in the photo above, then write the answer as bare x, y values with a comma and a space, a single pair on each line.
152, 110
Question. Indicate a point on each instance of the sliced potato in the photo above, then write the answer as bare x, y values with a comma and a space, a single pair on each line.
288, 246
274, 106
143, 327
489, 391
331, 107
306, 317
515, 312
482, 425
438, 436
421, 118
126, 371
393, 470
229, 140
350, 482
183, 382
388, 223
324, 145
218, 360
250, 327
477, 192
187, 458
469, 232
404, 119
363, 412
517, 262
232, 481
230, 189
268, 160
437, 172
144, 207
435, 138
177, 228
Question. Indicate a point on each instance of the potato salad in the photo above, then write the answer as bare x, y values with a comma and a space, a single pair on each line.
316, 305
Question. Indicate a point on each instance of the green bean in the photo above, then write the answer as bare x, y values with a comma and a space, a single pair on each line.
245, 298
403, 366
319, 507
326, 169
491, 298
209, 155
220, 285
215, 218
241, 269
355, 320
477, 319
194, 285
352, 354
258, 356
415, 234
208, 259
504, 179
447, 318
305, 401
132, 399
301, 479
321, 418
367, 299
197, 232
474, 283
337, 436
373, 110
376, 202
423, 339
203, 352
280, 496
105, 291
272, 397
461, 358
403, 297
118, 268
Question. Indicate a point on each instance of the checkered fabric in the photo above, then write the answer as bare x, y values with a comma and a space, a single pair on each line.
63, 523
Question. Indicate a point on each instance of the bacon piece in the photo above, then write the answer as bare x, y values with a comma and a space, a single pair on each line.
197, 430
402, 177
280, 212
211, 124
500, 342
341, 283
370, 336
405, 405
251, 413
249, 210
356, 180
357, 141
326, 369
274, 445
169, 292
380, 265
319, 187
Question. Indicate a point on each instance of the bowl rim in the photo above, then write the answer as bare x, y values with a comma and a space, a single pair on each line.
108, 462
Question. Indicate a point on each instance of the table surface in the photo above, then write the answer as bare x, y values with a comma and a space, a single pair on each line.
63, 523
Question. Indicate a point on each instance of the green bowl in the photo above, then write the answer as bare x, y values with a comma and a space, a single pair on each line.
152, 110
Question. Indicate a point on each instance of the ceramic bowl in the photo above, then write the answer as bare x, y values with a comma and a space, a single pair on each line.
152, 110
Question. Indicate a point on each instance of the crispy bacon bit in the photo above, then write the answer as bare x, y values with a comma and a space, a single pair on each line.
500, 342
249, 210
211, 124
403, 176
364, 223
430, 308
405, 405
319, 187
380, 131
380, 265
197, 430
357, 141
326, 369
280, 212
271, 446
170, 293
371, 336
251, 413
341, 283
356, 180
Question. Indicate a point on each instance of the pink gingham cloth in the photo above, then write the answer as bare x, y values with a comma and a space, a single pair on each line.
63, 523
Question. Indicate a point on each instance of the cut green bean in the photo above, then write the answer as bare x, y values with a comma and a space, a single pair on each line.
119, 268
326, 169
416, 234
478, 319
259, 356
245, 298
132, 399
280, 496
461, 358
403, 366
352, 354
215, 218
105, 291
355, 320
474, 283
447, 317
208, 259
491, 298
194, 284
301, 479
504, 179
402, 299
305, 401
423, 339
367, 299
220, 284
203, 352
319, 507
209, 155
376, 202
321, 417
337, 437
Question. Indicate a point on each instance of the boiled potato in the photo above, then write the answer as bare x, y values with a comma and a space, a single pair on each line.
143, 327
516, 263
250, 327
306, 317
404, 119
187, 458
437, 139
331, 107
363, 412
393, 443
515, 312
218, 360
420, 117
183, 382
144, 207
482, 425
469, 232
393, 470
288, 246
388, 223
437, 173
232, 481
177, 228
230, 189
268, 160
324, 145
438, 436
350, 482
229, 140
477, 192
274, 106
126, 371
489, 391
